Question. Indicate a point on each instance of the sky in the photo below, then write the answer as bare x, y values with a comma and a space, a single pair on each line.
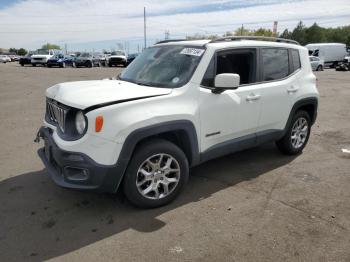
93, 25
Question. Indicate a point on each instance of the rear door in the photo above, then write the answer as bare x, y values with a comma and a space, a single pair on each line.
279, 85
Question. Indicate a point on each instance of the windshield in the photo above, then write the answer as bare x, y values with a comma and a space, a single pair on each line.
43, 52
85, 55
118, 53
163, 66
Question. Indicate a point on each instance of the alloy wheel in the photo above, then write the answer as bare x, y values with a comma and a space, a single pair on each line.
299, 132
158, 176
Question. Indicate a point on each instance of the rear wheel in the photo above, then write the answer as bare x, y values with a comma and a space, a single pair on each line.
297, 135
34, 65
156, 174
319, 68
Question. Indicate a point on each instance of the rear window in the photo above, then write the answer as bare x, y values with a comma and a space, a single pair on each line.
296, 60
275, 63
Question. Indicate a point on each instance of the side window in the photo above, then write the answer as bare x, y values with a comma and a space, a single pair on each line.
275, 63
296, 60
241, 62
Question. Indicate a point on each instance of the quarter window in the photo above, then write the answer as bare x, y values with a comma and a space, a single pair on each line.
296, 60
275, 63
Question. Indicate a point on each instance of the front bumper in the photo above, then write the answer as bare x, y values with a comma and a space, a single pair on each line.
54, 63
83, 63
76, 170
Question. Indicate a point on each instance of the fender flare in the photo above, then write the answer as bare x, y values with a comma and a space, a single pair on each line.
297, 105
138, 135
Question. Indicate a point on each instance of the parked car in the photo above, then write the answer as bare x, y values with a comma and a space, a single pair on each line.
117, 58
4, 59
177, 105
131, 57
25, 60
87, 60
344, 66
103, 58
42, 55
330, 53
61, 61
316, 63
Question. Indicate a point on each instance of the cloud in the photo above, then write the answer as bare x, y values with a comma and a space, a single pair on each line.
33, 22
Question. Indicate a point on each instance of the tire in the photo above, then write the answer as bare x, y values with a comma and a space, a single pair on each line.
319, 68
63, 65
153, 151
73, 64
110, 65
91, 64
289, 146
22, 64
34, 65
48, 66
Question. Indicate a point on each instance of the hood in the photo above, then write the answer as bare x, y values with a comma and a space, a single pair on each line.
118, 56
84, 94
83, 58
55, 59
41, 56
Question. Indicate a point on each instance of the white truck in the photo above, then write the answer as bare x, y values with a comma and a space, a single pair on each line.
42, 55
330, 53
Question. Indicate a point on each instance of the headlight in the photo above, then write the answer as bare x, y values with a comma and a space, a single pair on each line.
80, 122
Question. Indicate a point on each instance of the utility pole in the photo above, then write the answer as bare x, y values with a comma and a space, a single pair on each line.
144, 26
166, 35
242, 30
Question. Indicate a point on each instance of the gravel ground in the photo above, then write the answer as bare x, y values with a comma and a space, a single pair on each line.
257, 205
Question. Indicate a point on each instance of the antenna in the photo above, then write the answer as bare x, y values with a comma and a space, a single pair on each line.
144, 26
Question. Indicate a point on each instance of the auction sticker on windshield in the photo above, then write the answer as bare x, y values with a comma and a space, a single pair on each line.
192, 51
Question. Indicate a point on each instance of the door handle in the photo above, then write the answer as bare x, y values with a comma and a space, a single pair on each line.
253, 97
292, 90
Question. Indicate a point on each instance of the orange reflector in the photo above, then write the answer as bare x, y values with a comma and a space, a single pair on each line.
98, 123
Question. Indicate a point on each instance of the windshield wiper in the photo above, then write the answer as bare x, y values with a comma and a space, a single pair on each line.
142, 84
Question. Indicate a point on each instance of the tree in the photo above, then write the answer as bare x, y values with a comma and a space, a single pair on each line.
263, 32
21, 51
299, 33
13, 50
315, 34
51, 46
286, 34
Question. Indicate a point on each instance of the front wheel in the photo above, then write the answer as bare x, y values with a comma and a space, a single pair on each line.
156, 174
297, 135
319, 68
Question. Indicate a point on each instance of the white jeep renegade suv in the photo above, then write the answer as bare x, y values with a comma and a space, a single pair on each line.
180, 103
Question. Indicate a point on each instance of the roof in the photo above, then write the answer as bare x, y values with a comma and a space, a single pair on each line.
324, 44
235, 41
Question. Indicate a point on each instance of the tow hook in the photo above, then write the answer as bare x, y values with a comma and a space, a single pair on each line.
37, 138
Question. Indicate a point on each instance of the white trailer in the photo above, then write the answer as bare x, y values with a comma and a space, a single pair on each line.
330, 53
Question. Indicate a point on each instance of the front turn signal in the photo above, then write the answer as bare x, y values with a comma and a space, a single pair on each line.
98, 124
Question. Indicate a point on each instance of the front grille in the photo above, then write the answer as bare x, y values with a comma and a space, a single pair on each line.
116, 59
56, 114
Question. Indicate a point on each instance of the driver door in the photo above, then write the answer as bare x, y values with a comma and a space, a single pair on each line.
230, 119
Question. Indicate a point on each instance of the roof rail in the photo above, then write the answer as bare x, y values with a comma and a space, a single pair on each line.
170, 40
261, 38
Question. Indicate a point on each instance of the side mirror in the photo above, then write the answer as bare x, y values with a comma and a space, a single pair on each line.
225, 81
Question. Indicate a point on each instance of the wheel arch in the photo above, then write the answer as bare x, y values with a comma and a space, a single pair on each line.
309, 105
180, 132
